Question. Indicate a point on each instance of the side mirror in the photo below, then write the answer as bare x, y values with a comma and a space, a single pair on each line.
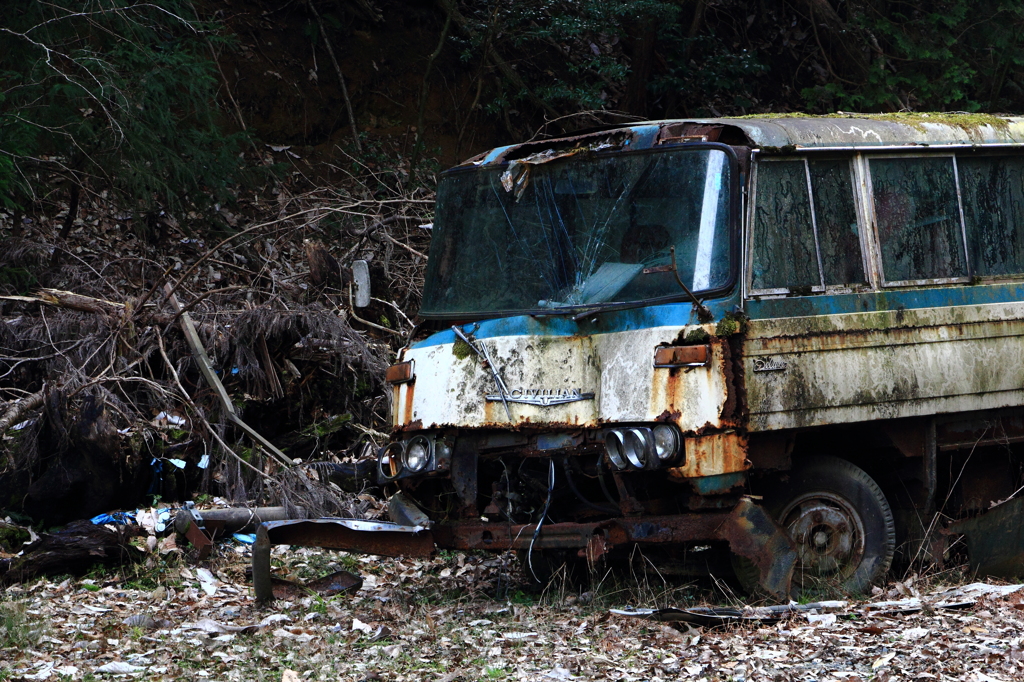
361, 278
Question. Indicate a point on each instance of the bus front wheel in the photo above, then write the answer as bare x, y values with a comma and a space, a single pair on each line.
841, 523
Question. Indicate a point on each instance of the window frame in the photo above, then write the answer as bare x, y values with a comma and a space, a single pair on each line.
748, 249
872, 217
867, 222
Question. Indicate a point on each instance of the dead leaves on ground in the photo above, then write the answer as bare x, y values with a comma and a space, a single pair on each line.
438, 620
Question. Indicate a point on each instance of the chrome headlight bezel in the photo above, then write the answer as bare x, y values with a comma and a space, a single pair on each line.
413, 463
390, 461
614, 448
667, 442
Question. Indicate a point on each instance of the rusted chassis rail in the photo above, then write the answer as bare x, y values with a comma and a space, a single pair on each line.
749, 530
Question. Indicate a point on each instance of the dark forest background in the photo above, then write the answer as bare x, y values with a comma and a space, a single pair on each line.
242, 153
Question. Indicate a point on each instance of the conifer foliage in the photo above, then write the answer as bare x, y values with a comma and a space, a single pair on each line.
111, 95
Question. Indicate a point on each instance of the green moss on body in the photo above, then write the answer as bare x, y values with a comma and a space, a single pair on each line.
696, 336
968, 122
461, 349
727, 326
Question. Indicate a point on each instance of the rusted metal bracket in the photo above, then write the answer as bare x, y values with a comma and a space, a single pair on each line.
369, 537
748, 528
995, 540
754, 535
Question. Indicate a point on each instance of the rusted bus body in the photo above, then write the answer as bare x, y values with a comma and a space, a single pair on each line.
820, 311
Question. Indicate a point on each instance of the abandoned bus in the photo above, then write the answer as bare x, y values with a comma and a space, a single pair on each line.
797, 339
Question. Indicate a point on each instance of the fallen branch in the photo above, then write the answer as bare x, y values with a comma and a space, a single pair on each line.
206, 367
197, 413
20, 408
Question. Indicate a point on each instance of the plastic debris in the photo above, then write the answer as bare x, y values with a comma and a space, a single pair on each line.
116, 518
119, 668
246, 538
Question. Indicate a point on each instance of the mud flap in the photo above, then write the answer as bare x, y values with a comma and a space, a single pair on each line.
995, 540
352, 535
754, 535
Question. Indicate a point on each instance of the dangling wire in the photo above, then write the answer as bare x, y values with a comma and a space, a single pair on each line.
540, 521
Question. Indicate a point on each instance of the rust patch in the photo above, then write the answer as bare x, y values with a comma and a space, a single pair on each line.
399, 373
714, 454
667, 416
682, 356
731, 367
412, 426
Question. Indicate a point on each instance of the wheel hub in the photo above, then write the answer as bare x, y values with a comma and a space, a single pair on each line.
828, 533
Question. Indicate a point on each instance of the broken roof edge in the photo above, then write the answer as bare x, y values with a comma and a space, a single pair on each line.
796, 131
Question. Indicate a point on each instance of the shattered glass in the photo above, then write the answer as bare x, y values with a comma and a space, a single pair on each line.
583, 230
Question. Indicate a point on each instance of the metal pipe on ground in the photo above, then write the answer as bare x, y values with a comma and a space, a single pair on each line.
234, 519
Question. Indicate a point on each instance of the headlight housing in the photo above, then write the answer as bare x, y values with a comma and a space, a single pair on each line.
390, 462
417, 454
630, 448
666, 442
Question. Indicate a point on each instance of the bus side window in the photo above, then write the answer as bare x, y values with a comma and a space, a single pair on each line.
803, 240
784, 251
836, 221
918, 218
992, 189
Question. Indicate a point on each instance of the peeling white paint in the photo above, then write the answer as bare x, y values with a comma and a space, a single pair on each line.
617, 367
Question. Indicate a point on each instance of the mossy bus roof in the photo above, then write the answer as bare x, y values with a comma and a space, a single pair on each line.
783, 133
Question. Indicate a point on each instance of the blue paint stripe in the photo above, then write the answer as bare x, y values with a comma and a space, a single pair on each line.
667, 314
681, 313
890, 299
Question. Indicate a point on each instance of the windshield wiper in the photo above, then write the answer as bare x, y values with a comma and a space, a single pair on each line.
482, 352
703, 314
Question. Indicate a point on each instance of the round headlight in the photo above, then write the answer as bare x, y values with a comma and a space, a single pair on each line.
666, 442
635, 447
417, 454
389, 461
613, 446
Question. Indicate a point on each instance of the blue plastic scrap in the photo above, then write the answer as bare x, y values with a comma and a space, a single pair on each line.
245, 538
117, 518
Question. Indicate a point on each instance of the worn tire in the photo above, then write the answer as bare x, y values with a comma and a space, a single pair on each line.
841, 523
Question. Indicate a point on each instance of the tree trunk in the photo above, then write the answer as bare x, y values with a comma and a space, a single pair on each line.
645, 39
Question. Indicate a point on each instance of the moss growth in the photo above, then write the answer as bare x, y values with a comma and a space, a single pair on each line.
12, 538
728, 326
967, 122
461, 349
326, 427
696, 336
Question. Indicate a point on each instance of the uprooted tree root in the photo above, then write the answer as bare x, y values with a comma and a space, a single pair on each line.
107, 404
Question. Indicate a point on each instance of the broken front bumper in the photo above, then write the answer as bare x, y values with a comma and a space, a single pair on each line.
749, 530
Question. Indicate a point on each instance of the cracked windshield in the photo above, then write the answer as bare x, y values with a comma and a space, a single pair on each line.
579, 231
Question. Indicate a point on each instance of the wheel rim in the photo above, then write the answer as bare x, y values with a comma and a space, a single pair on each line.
829, 537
